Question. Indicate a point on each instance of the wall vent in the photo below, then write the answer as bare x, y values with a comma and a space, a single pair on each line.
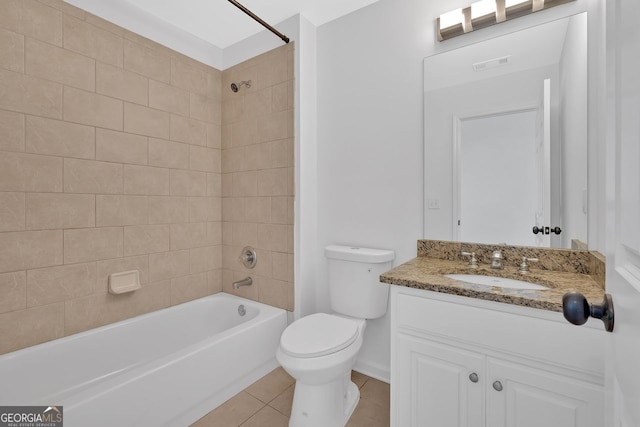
492, 63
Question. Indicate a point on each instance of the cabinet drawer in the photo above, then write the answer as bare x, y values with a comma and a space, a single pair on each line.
550, 339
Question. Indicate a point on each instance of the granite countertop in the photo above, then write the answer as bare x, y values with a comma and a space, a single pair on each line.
428, 274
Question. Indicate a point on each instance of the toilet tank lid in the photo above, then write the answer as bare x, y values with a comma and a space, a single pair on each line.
358, 254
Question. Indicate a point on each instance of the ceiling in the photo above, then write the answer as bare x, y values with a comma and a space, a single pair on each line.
222, 24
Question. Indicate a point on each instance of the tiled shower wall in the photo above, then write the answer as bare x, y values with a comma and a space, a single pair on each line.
258, 175
110, 160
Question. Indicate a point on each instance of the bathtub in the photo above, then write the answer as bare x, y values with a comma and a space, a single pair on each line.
166, 368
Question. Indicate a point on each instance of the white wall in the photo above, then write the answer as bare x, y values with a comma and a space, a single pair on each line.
370, 130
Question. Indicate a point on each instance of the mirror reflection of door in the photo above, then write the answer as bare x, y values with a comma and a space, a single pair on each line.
503, 177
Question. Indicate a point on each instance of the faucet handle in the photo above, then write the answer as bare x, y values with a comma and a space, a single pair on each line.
473, 262
524, 267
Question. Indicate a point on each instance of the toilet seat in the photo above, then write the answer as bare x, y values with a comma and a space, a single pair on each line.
318, 335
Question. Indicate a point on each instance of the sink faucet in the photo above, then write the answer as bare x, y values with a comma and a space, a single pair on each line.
496, 260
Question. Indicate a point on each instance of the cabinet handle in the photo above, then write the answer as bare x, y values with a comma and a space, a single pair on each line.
473, 377
497, 386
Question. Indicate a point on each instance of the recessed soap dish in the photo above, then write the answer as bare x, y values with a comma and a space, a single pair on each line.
126, 281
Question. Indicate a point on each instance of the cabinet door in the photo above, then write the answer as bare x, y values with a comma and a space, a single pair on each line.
533, 398
435, 386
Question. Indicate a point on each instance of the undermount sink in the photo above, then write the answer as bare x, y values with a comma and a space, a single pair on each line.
502, 282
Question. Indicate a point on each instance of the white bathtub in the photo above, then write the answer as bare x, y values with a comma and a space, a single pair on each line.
166, 368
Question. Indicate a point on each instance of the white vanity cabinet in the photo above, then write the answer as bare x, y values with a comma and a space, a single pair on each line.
461, 362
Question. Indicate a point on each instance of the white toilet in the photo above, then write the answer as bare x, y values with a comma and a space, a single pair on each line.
319, 350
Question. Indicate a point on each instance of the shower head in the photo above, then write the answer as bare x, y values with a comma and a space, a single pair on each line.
236, 87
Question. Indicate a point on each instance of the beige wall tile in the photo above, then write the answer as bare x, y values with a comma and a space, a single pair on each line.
204, 159
188, 183
105, 25
119, 265
92, 244
146, 121
146, 239
12, 131
214, 184
88, 176
168, 265
42, 22
258, 103
188, 288
92, 41
11, 50
58, 138
245, 234
189, 131
214, 136
168, 154
92, 109
56, 284
204, 209
282, 153
280, 210
205, 259
273, 182
12, 212
146, 180
245, 184
273, 237
168, 209
65, 7
274, 126
30, 172
147, 62
24, 328
280, 266
168, 98
192, 235
214, 280
50, 211
60, 65
112, 146
26, 94
93, 311
13, 291
245, 133
23, 250
282, 96
11, 12
249, 292
121, 84
214, 84
278, 294
205, 109
188, 77
121, 210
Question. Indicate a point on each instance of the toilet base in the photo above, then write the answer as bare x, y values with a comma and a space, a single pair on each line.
326, 405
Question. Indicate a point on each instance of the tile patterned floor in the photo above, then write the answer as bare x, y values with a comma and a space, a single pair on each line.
267, 403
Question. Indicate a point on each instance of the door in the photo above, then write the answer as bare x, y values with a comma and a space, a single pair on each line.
520, 396
623, 216
438, 385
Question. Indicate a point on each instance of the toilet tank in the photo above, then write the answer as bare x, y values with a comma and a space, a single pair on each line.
354, 280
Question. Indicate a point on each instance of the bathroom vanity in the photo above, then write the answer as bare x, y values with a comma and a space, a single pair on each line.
464, 354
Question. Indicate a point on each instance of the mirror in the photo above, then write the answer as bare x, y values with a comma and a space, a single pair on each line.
505, 139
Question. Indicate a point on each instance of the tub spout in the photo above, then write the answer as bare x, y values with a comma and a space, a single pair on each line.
247, 281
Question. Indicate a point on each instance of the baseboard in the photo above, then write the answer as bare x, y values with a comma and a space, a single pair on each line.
373, 370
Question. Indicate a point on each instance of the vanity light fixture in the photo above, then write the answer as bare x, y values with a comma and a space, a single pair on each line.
484, 13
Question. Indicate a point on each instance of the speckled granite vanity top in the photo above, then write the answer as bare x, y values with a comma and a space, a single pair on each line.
559, 270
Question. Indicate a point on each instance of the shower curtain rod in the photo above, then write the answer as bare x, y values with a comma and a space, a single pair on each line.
257, 18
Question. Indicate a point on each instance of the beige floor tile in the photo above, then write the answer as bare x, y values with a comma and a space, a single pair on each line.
284, 400
271, 385
359, 379
370, 413
377, 391
232, 413
267, 417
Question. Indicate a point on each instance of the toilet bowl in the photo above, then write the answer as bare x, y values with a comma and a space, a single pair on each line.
320, 350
